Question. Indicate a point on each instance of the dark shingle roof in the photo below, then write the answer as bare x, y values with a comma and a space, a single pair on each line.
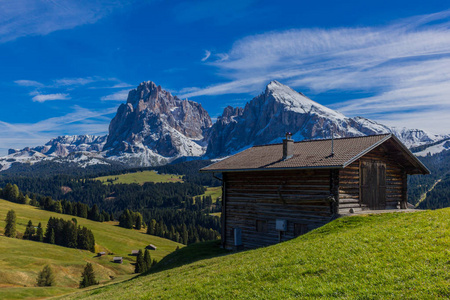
307, 155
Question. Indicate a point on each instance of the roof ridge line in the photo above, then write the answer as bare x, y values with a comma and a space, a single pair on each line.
327, 139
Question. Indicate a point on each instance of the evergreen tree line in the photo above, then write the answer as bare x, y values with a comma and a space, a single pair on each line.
59, 232
439, 197
171, 204
439, 165
32, 233
180, 226
12, 193
143, 262
113, 198
184, 227
68, 234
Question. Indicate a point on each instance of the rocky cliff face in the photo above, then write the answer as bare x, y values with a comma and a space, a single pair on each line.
267, 118
154, 127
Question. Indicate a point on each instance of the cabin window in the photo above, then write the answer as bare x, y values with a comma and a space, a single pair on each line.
261, 226
300, 229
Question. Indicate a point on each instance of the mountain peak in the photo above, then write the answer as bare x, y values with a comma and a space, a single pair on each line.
276, 85
157, 126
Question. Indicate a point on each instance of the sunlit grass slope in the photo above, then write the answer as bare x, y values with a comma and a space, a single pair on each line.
141, 178
214, 192
22, 260
388, 256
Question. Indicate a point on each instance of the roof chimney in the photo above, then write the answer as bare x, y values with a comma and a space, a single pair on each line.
288, 146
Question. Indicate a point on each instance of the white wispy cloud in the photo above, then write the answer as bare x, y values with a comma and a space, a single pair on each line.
118, 96
75, 81
207, 55
50, 97
79, 121
404, 65
21, 18
30, 83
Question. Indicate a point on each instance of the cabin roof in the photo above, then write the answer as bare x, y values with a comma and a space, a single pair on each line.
316, 154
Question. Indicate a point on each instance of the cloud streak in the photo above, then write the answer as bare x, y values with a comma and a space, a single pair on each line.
50, 97
404, 65
79, 121
118, 96
207, 55
21, 18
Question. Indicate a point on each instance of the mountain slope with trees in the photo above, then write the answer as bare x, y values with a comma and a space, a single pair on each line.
23, 259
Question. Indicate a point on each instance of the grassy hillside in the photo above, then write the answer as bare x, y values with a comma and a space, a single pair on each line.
214, 192
22, 260
141, 178
389, 256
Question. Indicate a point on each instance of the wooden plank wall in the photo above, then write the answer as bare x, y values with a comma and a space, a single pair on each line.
300, 197
349, 189
349, 182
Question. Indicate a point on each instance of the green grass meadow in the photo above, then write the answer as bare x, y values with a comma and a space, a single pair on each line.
214, 192
22, 260
385, 256
141, 178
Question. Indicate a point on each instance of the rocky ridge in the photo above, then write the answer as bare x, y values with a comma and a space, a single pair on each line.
280, 109
154, 127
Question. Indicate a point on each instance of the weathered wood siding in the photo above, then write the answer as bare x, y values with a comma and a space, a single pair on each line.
349, 182
349, 189
255, 200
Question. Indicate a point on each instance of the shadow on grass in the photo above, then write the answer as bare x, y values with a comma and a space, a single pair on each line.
188, 255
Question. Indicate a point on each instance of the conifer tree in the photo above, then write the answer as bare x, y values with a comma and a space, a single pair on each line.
46, 277
29, 231
39, 233
52, 236
185, 235
147, 260
139, 266
88, 276
138, 223
126, 219
10, 228
57, 207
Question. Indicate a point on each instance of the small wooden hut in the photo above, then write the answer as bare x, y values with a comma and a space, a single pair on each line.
151, 247
276, 192
118, 259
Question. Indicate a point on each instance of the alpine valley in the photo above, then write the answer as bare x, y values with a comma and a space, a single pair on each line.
154, 128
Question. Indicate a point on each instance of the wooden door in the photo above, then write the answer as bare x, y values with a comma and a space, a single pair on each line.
373, 184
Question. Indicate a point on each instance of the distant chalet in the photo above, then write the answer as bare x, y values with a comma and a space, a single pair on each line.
274, 193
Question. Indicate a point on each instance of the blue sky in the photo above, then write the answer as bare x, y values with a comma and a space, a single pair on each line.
65, 66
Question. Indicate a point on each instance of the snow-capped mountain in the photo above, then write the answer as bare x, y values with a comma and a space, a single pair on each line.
154, 127
60, 147
64, 145
280, 109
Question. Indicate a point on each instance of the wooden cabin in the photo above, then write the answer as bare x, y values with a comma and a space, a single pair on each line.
151, 247
118, 259
134, 252
276, 192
